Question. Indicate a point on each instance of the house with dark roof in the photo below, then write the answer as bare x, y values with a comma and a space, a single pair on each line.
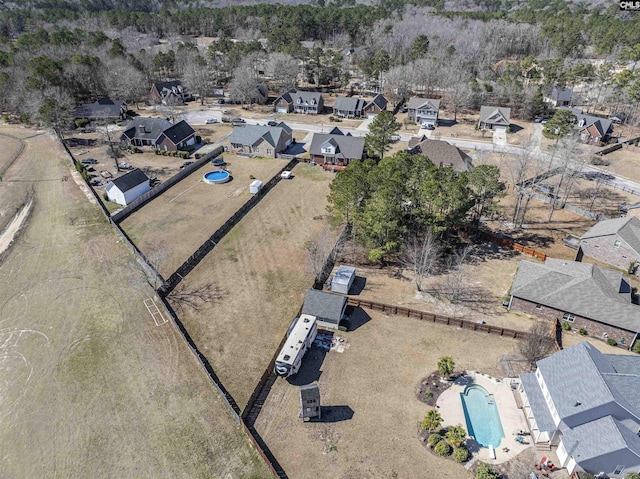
584, 295
126, 188
592, 129
335, 150
586, 405
259, 95
260, 140
442, 154
158, 133
376, 106
561, 96
299, 101
424, 111
104, 109
169, 93
328, 308
615, 242
494, 118
349, 107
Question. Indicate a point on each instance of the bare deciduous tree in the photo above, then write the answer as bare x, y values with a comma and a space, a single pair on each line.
422, 256
570, 164
194, 298
538, 344
283, 70
318, 249
454, 282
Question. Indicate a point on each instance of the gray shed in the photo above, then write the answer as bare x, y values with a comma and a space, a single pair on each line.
343, 279
328, 308
309, 402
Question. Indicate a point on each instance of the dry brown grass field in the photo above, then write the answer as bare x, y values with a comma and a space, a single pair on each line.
91, 386
261, 270
16, 195
374, 380
173, 225
624, 162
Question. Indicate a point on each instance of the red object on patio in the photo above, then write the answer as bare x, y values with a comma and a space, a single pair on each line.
543, 461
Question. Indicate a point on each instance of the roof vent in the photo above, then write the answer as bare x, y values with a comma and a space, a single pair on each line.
578, 403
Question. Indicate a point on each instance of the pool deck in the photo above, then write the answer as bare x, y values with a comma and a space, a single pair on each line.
450, 407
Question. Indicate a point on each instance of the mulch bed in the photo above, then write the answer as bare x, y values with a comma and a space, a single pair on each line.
431, 387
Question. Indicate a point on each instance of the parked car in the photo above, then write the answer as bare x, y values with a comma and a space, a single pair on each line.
404, 109
220, 101
272, 123
185, 164
88, 161
238, 120
430, 127
125, 166
211, 121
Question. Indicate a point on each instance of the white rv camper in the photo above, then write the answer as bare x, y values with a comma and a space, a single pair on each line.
300, 339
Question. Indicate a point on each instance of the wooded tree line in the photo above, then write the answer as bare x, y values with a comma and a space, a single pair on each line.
405, 196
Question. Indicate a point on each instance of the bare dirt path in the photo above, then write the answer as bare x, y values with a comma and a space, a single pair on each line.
7, 236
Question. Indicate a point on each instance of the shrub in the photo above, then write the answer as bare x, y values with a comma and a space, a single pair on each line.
190, 148
198, 139
457, 435
461, 454
486, 471
183, 154
566, 326
633, 475
612, 342
6, 118
435, 439
599, 161
251, 177
442, 449
582, 332
331, 118
636, 346
81, 122
197, 156
156, 151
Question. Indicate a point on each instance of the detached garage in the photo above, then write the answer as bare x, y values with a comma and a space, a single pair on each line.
343, 279
328, 308
128, 187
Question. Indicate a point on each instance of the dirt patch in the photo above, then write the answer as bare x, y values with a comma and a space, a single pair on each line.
432, 387
7, 236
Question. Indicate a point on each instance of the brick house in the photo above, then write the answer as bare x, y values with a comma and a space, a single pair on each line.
335, 150
583, 295
158, 133
169, 93
259, 140
299, 101
376, 106
615, 242
592, 129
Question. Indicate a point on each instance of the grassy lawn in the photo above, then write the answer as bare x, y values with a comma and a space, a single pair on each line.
173, 225
261, 270
370, 390
91, 386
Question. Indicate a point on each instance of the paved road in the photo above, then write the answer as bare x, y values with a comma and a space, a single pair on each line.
199, 117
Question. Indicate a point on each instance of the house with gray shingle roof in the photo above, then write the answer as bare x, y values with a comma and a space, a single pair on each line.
424, 111
158, 133
561, 96
348, 107
494, 118
592, 129
442, 154
335, 150
376, 106
328, 308
615, 242
260, 140
584, 295
299, 101
586, 404
104, 109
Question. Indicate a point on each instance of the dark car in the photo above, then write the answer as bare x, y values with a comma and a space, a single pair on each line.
89, 161
185, 164
238, 120
221, 101
272, 123
404, 109
430, 127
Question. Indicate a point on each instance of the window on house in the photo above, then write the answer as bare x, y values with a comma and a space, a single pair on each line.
568, 317
269, 151
616, 243
618, 470
309, 401
538, 306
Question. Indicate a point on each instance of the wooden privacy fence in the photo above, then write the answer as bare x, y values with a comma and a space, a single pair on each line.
508, 243
436, 318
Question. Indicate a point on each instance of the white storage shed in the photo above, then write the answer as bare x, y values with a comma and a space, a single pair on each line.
343, 279
125, 189
255, 186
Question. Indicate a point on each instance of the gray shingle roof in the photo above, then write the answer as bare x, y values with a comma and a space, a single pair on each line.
416, 102
495, 115
583, 289
146, 128
292, 96
349, 104
603, 125
379, 100
310, 392
563, 94
130, 180
103, 108
349, 147
537, 402
627, 228
252, 134
444, 154
597, 438
323, 305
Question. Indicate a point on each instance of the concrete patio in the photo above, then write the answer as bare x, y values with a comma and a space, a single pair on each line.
450, 407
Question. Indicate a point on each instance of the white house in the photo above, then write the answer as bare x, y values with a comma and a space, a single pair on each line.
586, 404
125, 189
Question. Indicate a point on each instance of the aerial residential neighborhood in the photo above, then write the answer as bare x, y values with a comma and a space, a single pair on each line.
320, 239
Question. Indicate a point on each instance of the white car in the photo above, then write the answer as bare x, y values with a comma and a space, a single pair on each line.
211, 121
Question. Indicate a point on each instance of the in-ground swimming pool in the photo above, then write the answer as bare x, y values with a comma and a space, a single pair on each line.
216, 177
481, 414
